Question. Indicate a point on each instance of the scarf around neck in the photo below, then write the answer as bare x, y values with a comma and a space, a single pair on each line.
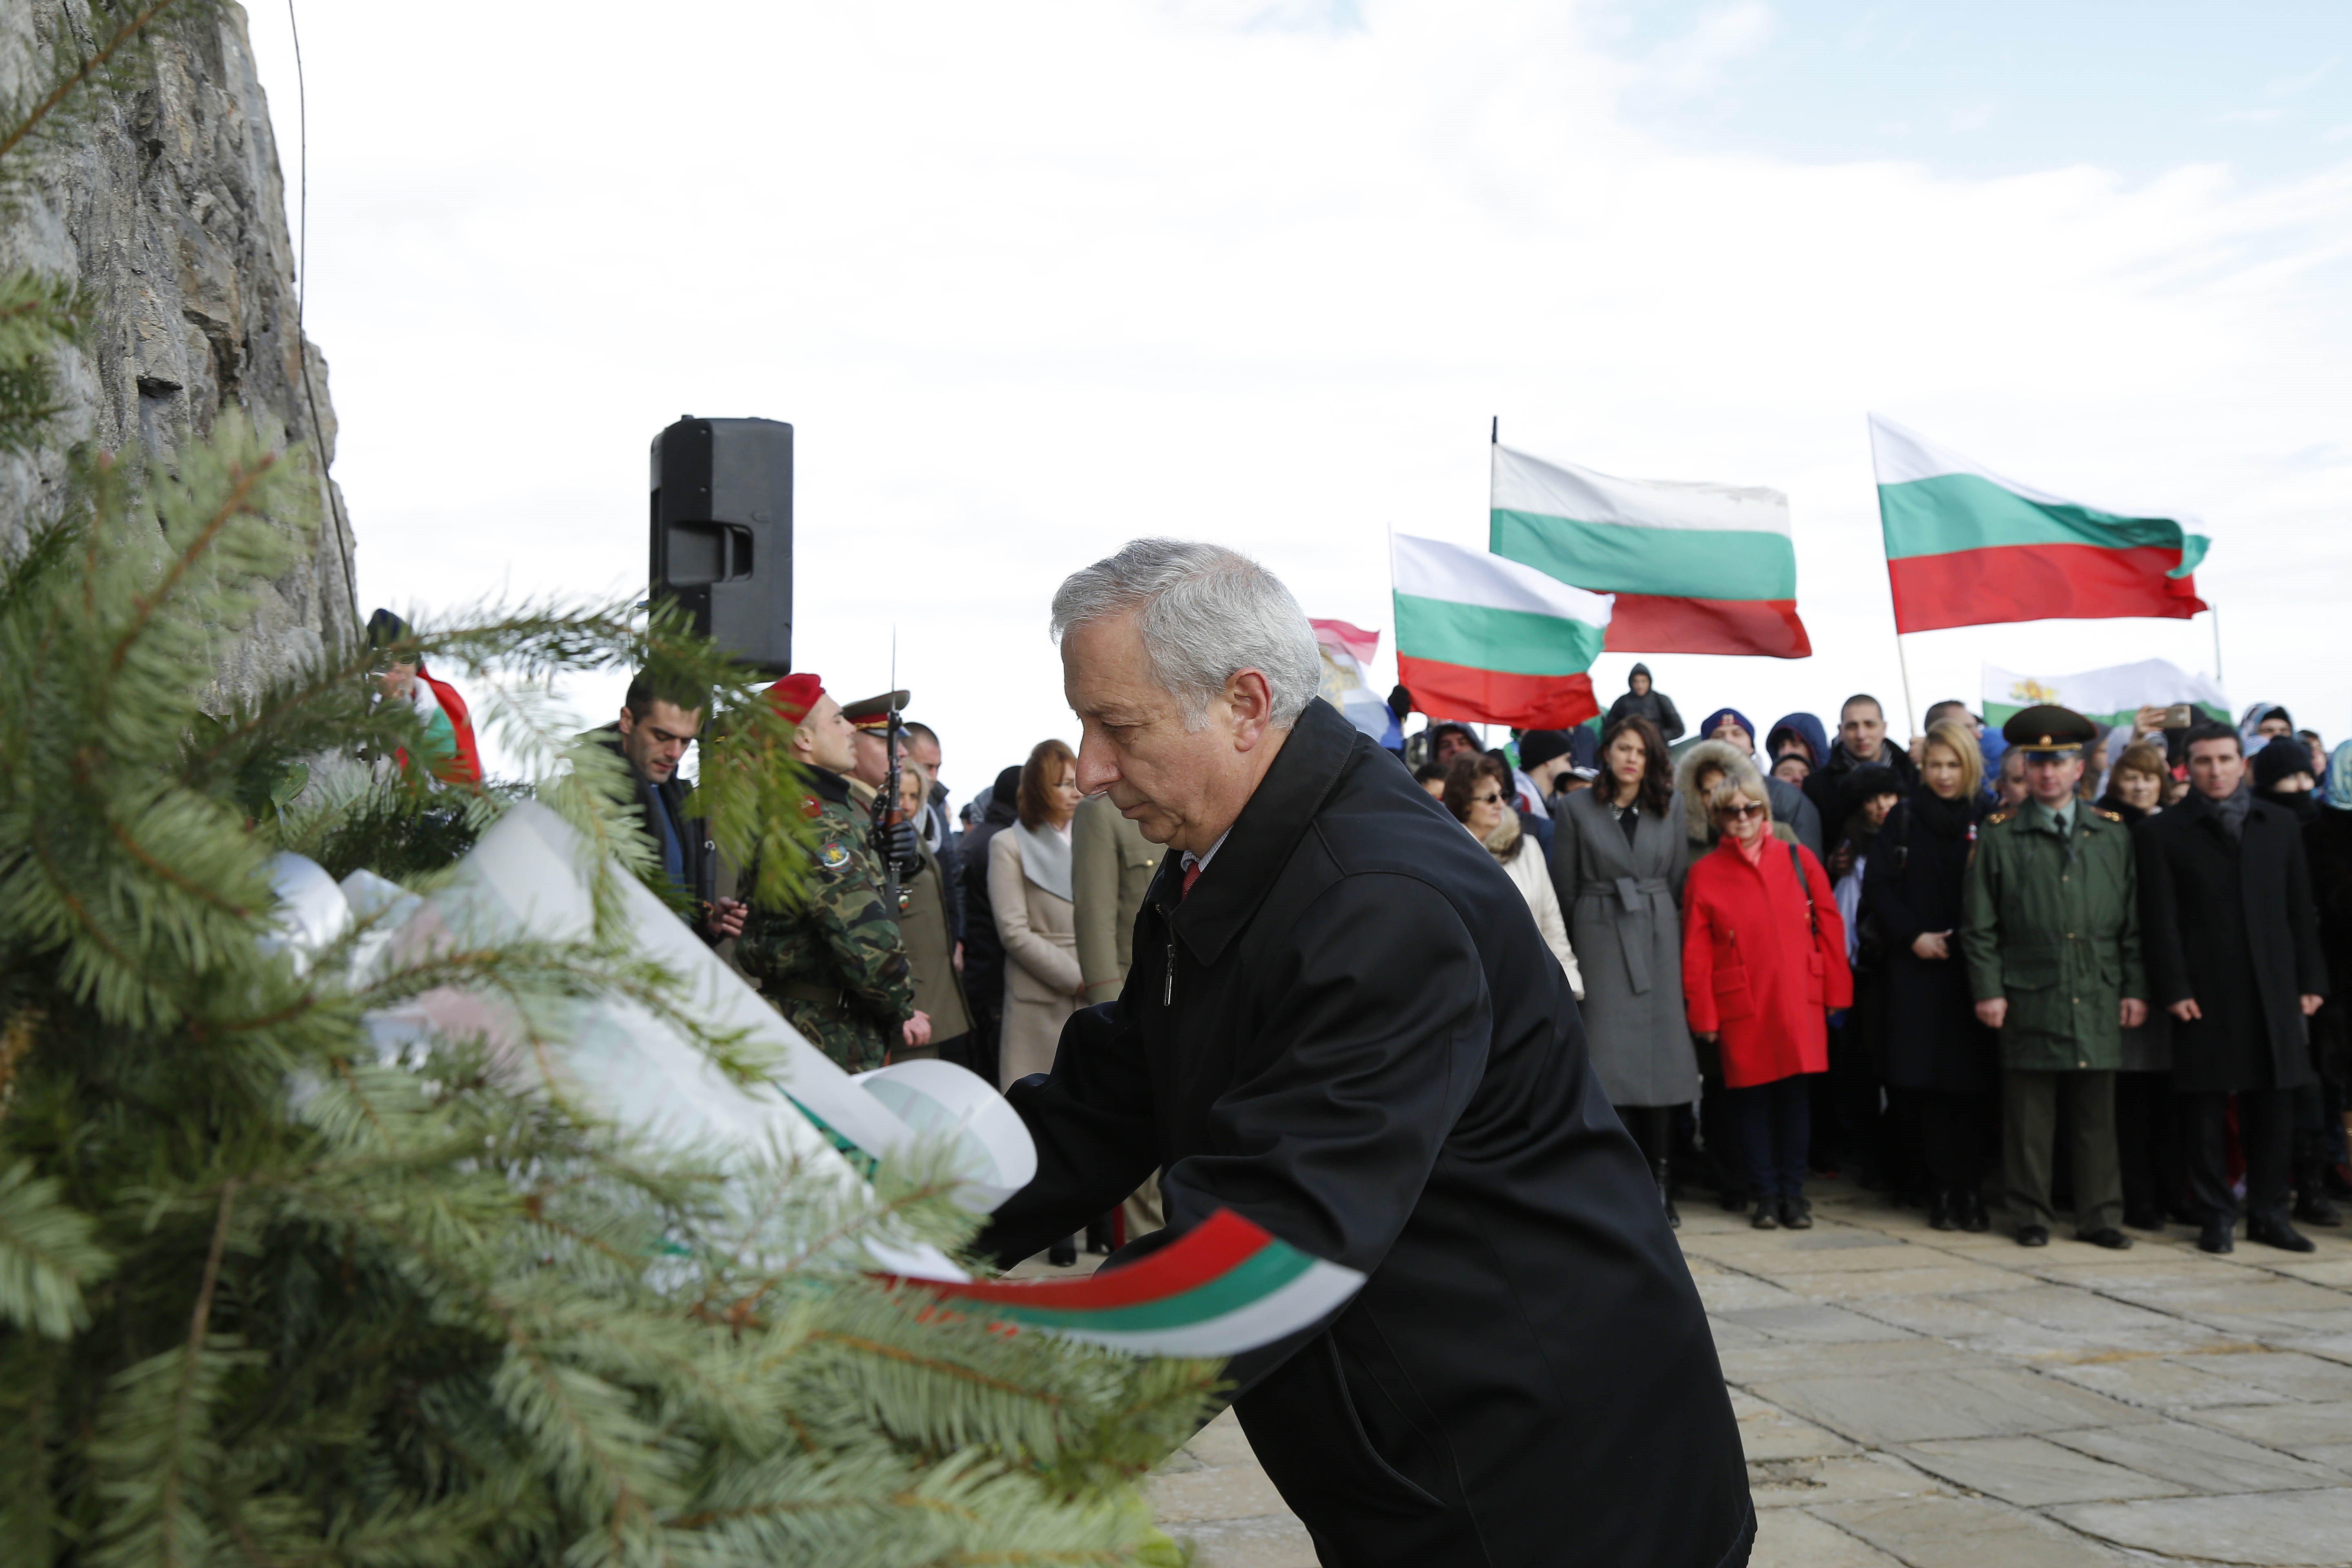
2231, 809
1504, 842
1046, 858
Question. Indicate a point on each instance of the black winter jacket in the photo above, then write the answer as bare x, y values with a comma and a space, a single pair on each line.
1351, 1033
2233, 928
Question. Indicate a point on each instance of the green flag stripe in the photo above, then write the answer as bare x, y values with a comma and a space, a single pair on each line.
1675, 562
1513, 642
1259, 1275
1952, 512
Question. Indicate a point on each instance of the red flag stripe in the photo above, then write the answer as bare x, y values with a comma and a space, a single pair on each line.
2038, 583
1654, 622
1214, 1247
1491, 697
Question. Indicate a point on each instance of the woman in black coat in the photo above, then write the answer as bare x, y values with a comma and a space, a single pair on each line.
2151, 1142
1941, 1064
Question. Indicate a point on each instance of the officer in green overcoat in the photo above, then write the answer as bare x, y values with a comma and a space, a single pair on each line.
833, 961
2050, 931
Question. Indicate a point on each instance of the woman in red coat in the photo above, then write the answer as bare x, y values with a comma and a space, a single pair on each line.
1763, 956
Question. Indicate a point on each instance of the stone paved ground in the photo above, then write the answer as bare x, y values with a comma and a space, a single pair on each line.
1954, 1401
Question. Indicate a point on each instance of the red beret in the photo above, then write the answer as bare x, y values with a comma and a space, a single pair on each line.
796, 694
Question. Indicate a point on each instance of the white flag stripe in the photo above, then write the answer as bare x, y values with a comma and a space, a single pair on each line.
1431, 569
1900, 456
2118, 689
1562, 489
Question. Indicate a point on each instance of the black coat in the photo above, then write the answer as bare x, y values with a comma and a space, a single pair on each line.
1825, 786
983, 950
1911, 884
1370, 1052
698, 850
2327, 849
2232, 927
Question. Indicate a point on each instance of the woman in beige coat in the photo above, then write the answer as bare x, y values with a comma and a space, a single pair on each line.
1029, 884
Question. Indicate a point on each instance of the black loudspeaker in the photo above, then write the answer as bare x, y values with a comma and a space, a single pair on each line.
722, 533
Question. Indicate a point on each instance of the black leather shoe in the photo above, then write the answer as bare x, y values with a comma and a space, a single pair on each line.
2313, 1206
1767, 1218
1063, 1253
2278, 1234
2032, 1236
1939, 1213
1975, 1218
2107, 1236
1796, 1214
2214, 1236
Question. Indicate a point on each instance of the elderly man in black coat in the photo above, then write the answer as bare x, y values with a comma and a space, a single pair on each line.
1343, 1024
2232, 945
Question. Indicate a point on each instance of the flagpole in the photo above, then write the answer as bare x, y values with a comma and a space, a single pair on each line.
1909, 716
2215, 611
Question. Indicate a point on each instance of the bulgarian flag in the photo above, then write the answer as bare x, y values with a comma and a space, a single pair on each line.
1966, 547
1488, 640
1696, 568
1223, 1287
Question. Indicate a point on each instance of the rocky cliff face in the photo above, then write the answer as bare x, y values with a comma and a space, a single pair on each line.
170, 209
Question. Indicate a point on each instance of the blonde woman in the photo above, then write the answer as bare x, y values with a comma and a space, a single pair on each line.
1943, 1067
1477, 792
1029, 888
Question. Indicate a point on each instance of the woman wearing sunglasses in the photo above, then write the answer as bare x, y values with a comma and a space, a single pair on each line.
1477, 791
1763, 957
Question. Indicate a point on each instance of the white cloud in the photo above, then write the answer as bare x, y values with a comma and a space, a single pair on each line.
1032, 278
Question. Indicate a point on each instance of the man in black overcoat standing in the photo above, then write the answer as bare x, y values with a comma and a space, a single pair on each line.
1343, 1024
2232, 945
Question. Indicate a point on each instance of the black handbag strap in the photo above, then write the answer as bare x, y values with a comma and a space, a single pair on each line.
1797, 864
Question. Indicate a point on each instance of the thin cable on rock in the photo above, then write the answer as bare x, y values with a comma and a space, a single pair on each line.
302, 291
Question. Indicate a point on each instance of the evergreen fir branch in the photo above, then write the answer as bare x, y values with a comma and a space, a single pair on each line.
49, 1251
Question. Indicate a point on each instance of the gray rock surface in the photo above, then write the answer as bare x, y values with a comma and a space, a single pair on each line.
169, 208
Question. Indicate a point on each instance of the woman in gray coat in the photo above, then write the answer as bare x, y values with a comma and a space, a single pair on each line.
1617, 862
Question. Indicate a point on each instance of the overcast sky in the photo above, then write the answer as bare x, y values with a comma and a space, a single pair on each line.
1031, 279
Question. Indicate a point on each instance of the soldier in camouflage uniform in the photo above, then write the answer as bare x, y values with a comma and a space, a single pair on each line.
834, 964
2050, 931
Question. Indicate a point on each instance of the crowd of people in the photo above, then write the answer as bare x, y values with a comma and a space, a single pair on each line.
2064, 969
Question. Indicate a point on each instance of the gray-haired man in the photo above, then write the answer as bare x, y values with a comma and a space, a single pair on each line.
1343, 1024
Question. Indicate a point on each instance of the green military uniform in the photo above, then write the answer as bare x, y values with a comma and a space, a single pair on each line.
2050, 923
1111, 864
834, 964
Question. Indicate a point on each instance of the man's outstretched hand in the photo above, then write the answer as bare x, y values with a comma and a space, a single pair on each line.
916, 1030
725, 919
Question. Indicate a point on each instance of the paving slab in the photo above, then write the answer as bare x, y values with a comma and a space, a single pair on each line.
1933, 1276
2293, 1428
2078, 1311
1274, 1541
2287, 1374
1765, 1360
2198, 1458
1221, 1442
1927, 1407
1221, 1491
1792, 1538
1768, 1432
2163, 1382
1966, 1532
2292, 1528
2033, 1472
1814, 1322
2333, 1271
1722, 1290
1853, 1477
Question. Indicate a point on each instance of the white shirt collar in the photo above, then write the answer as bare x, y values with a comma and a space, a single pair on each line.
1191, 859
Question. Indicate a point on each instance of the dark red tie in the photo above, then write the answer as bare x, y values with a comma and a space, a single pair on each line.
1191, 874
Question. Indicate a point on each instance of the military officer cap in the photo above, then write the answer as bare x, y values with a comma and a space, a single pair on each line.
873, 713
2050, 730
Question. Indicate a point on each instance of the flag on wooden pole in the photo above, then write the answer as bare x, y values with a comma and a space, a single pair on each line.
1966, 547
1696, 568
1483, 638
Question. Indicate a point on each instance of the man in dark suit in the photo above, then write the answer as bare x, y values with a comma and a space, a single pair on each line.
1342, 1023
2232, 943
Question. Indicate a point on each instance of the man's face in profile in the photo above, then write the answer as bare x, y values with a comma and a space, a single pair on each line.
1169, 780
